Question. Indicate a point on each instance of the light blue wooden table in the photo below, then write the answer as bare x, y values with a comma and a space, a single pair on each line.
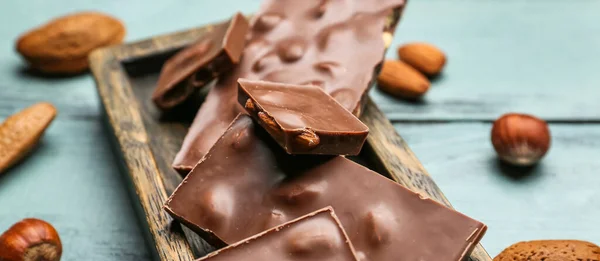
531, 56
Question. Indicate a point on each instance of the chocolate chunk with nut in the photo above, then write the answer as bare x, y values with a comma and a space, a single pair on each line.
200, 63
263, 186
316, 236
303, 119
300, 42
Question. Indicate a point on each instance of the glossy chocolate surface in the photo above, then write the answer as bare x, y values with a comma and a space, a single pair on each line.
316, 236
303, 119
200, 63
247, 183
337, 45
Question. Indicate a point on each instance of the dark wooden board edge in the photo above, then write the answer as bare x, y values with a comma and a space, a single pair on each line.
123, 116
386, 146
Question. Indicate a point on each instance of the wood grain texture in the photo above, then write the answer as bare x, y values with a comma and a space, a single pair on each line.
124, 117
126, 76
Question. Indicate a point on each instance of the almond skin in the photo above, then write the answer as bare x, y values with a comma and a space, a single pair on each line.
62, 45
550, 250
20, 132
424, 57
399, 79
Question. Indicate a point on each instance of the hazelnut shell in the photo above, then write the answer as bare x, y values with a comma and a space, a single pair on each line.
30, 240
520, 139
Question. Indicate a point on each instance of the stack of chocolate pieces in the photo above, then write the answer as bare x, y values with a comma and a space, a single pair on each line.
266, 149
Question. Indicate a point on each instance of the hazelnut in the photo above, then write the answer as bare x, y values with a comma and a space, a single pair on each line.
520, 139
30, 240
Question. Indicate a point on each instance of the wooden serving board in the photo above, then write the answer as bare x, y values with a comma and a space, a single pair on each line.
147, 140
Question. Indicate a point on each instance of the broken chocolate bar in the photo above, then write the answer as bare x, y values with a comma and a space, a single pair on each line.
247, 183
303, 119
316, 236
197, 65
337, 45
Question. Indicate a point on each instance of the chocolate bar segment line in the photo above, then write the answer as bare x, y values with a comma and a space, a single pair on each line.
337, 45
200, 63
247, 183
303, 119
315, 236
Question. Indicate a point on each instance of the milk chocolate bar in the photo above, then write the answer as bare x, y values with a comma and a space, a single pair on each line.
247, 183
303, 119
316, 236
338, 45
200, 63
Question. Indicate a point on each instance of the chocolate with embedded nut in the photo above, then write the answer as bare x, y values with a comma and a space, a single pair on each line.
337, 45
303, 119
200, 63
316, 236
247, 183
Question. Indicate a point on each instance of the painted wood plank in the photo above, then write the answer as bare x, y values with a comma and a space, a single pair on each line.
559, 199
72, 181
76, 96
33, 190
538, 57
530, 56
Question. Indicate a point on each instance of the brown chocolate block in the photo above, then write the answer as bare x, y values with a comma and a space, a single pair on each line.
200, 63
303, 119
316, 236
247, 183
338, 45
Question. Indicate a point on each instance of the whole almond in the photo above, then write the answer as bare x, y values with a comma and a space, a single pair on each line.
307, 139
20, 132
268, 122
424, 57
550, 250
62, 45
399, 79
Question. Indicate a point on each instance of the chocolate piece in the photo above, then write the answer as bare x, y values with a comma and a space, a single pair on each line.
316, 236
337, 45
303, 119
200, 63
247, 183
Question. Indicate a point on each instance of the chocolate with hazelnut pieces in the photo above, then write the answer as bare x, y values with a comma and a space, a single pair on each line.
337, 45
197, 65
247, 183
303, 119
316, 236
